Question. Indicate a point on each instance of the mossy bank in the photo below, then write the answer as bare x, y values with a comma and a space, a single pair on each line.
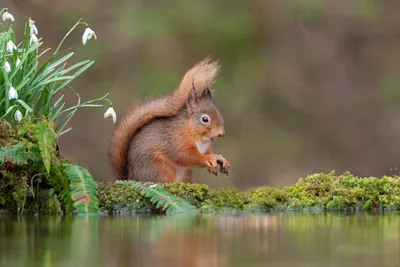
35, 178
317, 192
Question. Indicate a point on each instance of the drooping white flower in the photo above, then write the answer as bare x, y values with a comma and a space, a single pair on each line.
33, 39
18, 116
11, 46
111, 112
7, 16
12, 93
34, 30
18, 62
7, 67
87, 35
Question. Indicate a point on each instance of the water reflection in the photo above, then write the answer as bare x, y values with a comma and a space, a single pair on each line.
267, 240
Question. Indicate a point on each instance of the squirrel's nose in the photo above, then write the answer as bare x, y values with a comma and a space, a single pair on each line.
221, 134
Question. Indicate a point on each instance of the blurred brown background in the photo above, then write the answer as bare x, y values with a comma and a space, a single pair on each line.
306, 85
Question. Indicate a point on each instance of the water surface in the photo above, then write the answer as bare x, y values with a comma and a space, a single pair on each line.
151, 241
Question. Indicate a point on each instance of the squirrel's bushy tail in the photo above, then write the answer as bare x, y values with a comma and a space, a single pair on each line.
202, 75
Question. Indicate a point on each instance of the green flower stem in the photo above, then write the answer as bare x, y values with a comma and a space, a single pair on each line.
68, 33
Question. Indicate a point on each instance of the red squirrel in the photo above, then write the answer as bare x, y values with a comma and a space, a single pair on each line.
162, 139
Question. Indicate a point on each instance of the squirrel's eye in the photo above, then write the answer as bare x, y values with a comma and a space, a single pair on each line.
205, 119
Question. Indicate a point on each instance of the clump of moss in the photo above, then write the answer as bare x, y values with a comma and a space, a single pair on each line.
25, 185
266, 198
204, 198
19, 191
344, 192
118, 198
195, 194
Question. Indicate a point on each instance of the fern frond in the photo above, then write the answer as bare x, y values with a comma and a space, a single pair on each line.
161, 198
15, 154
83, 189
47, 144
33, 154
60, 183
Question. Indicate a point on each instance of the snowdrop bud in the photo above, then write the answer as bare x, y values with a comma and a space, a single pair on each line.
18, 116
11, 46
34, 30
18, 62
87, 35
33, 39
111, 112
7, 67
7, 16
12, 93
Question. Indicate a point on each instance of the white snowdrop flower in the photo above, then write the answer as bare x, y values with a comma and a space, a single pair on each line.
7, 67
34, 30
7, 16
18, 116
11, 46
111, 112
18, 62
152, 186
87, 35
33, 39
12, 93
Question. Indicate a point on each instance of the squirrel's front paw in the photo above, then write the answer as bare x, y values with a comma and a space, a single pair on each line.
223, 164
212, 166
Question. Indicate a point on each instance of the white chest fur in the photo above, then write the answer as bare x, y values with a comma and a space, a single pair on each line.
202, 147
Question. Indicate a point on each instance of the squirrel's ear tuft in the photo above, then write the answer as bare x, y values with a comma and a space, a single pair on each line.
206, 93
192, 102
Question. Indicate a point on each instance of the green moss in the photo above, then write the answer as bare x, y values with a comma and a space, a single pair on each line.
117, 198
317, 192
266, 198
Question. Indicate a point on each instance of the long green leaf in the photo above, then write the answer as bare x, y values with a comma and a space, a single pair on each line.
28, 108
46, 144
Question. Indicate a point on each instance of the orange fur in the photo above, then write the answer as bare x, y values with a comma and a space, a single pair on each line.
165, 168
202, 76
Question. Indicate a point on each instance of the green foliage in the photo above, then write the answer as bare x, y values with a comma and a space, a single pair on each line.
61, 186
161, 198
14, 154
33, 114
83, 189
30, 163
39, 80
46, 143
